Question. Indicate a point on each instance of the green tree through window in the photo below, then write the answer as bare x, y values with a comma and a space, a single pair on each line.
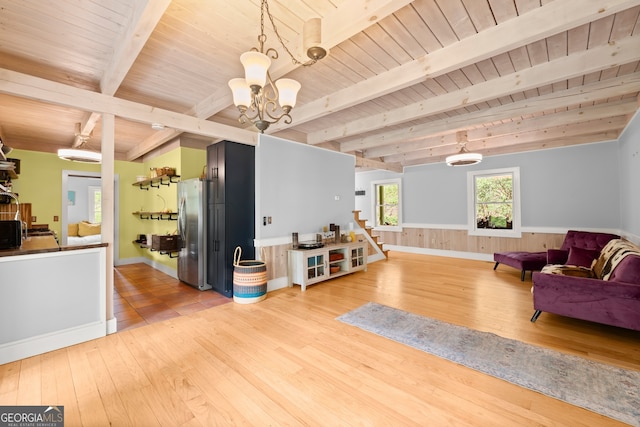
494, 201
386, 204
95, 204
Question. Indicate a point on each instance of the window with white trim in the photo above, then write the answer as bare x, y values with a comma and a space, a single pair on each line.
387, 204
94, 202
494, 202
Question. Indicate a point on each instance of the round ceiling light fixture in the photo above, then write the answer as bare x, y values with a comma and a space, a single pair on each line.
464, 157
84, 156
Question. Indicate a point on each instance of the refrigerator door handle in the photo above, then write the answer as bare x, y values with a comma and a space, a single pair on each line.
182, 215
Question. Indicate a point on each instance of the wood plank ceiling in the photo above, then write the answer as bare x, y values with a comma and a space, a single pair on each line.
401, 79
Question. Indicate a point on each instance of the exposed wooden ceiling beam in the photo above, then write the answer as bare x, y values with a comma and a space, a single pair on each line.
336, 27
590, 60
350, 18
609, 88
511, 128
529, 27
153, 142
539, 137
144, 19
554, 132
375, 164
531, 146
30, 87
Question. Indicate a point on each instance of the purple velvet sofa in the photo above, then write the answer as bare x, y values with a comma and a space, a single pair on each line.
534, 261
576, 240
605, 289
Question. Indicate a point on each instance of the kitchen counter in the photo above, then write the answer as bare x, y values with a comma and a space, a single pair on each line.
43, 244
51, 297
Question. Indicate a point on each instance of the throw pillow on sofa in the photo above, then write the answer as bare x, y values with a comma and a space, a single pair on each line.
557, 256
582, 257
72, 230
88, 229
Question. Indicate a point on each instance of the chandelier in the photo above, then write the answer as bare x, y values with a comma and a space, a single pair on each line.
259, 99
464, 157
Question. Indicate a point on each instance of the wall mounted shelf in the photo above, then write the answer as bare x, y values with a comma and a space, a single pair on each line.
6, 175
171, 254
157, 181
160, 216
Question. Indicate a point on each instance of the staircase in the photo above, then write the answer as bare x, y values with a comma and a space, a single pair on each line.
369, 230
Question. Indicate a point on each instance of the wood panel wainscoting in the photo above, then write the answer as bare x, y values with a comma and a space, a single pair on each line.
461, 241
288, 361
276, 259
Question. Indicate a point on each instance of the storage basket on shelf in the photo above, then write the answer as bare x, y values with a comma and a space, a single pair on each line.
168, 243
249, 279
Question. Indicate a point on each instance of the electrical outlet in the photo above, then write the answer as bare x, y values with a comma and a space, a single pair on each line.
55, 218
34, 219
268, 220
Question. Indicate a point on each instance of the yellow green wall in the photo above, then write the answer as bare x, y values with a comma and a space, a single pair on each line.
129, 196
188, 163
40, 183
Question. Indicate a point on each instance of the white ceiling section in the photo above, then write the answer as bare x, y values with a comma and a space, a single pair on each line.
401, 78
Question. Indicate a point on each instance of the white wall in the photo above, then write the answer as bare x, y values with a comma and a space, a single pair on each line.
570, 187
80, 186
297, 186
629, 155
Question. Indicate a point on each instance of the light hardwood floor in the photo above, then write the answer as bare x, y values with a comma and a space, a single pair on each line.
287, 361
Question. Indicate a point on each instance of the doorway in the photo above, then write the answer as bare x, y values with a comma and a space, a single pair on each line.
79, 192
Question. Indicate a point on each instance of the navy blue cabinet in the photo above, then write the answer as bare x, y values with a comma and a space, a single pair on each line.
230, 210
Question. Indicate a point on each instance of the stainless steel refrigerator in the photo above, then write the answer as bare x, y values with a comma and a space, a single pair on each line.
192, 223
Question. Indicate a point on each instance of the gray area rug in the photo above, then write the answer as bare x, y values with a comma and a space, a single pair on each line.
605, 389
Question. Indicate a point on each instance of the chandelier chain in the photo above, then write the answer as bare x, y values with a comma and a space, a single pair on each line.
260, 99
275, 30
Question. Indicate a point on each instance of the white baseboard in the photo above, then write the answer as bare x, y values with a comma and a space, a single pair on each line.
376, 257
44, 343
143, 260
128, 261
112, 326
275, 284
631, 237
